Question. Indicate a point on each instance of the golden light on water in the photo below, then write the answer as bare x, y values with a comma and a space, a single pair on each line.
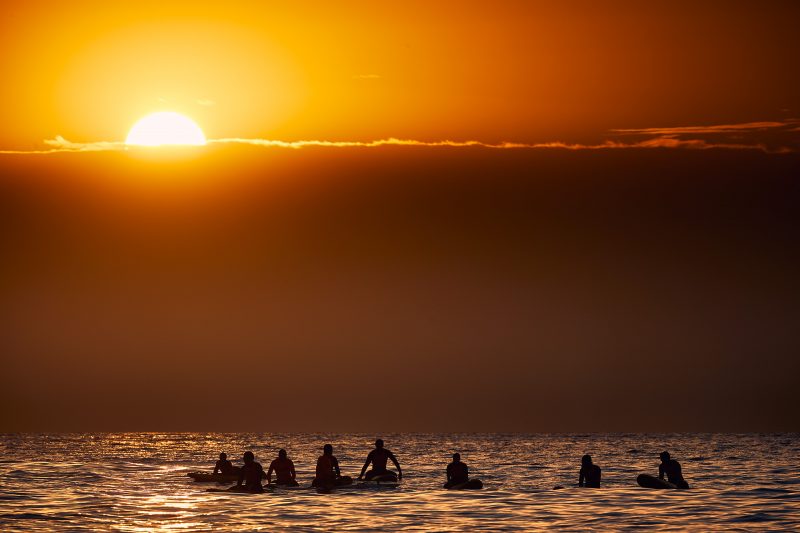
165, 128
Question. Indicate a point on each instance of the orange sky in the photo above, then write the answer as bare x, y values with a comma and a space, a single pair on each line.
514, 71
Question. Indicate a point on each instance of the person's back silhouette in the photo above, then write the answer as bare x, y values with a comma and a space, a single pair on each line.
457, 472
378, 457
284, 470
458, 475
590, 473
223, 466
328, 474
251, 474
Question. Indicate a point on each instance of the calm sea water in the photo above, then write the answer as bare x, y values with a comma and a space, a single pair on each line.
137, 482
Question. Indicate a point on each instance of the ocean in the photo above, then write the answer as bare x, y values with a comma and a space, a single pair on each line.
137, 482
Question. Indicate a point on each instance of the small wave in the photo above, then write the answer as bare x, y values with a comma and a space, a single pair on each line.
15, 497
755, 517
30, 516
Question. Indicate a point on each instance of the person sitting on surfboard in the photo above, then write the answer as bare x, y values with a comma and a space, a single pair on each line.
457, 472
251, 474
328, 474
378, 458
223, 466
284, 470
590, 473
672, 469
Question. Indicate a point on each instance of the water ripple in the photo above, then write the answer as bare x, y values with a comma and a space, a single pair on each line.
136, 482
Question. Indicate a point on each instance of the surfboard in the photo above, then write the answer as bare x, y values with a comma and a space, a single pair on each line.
234, 490
344, 481
276, 486
472, 484
205, 477
388, 477
651, 482
378, 483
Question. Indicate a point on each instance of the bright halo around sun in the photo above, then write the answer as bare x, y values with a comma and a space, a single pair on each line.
165, 128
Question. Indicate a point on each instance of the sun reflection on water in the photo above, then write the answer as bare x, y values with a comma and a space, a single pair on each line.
137, 482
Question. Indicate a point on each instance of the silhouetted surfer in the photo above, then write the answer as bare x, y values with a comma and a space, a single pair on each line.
672, 469
328, 474
378, 458
458, 476
590, 473
284, 470
223, 466
457, 472
251, 474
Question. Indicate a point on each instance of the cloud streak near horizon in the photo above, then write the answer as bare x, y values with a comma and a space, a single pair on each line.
747, 127
781, 138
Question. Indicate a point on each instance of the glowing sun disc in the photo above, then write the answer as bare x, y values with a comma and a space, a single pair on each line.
165, 128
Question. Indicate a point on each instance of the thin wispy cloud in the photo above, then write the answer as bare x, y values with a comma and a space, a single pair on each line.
60, 143
768, 136
715, 129
744, 136
658, 142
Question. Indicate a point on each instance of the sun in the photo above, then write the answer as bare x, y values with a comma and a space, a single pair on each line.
165, 128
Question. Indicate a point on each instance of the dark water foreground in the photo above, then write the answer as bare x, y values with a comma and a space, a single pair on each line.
137, 482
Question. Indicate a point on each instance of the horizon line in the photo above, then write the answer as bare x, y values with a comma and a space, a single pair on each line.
679, 137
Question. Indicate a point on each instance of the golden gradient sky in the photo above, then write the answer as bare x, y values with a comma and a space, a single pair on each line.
500, 71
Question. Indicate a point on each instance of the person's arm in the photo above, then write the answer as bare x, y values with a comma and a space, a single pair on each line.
241, 476
336, 468
449, 473
291, 469
661, 471
269, 472
216, 469
366, 464
399, 470
581, 477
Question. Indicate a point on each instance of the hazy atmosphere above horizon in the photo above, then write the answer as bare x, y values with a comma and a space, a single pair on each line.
418, 216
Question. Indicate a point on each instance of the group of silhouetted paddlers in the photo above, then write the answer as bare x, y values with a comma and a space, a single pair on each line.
590, 474
328, 475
